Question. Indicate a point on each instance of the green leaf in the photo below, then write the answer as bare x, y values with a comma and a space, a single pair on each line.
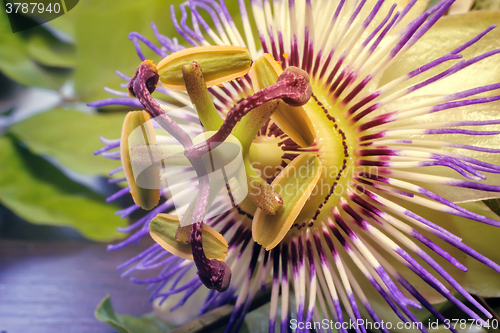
71, 137
40, 193
446, 35
129, 324
17, 64
101, 30
48, 50
258, 320
66, 22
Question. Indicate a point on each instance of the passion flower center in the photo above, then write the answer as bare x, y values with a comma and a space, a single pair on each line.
335, 145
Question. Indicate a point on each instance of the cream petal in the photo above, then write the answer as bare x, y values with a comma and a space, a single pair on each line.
380, 306
480, 112
446, 35
417, 9
479, 279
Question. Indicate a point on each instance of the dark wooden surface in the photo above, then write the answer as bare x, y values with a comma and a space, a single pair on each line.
55, 286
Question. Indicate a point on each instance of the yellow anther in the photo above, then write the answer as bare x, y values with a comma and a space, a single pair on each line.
292, 120
147, 198
218, 63
164, 227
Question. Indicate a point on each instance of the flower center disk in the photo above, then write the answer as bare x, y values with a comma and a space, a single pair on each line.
335, 139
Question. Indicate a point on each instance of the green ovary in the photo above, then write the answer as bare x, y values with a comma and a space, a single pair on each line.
329, 142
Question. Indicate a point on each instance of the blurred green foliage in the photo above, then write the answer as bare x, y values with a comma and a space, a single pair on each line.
18, 63
128, 324
82, 48
101, 29
71, 137
39, 192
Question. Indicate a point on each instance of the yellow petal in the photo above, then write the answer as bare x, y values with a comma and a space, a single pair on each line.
218, 63
147, 198
163, 228
294, 184
290, 119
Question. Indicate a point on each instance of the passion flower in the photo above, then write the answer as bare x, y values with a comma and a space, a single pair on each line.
359, 187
